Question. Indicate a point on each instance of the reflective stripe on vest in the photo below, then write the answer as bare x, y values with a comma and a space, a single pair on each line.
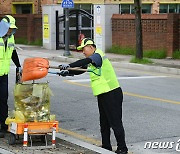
5, 55
107, 81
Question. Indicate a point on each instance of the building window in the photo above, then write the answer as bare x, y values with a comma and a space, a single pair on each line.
129, 8
125, 9
169, 8
23, 8
146, 8
163, 8
172, 8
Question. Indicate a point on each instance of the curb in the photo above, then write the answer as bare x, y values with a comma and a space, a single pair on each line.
63, 59
75, 141
158, 69
83, 144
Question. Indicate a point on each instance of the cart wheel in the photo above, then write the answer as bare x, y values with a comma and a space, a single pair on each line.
12, 139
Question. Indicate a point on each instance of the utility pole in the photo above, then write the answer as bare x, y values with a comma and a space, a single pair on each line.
139, 44
67, 34
66, 4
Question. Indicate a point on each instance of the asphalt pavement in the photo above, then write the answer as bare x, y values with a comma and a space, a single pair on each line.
66, 144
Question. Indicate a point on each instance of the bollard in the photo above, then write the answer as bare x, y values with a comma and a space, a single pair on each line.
54, 135
25, 141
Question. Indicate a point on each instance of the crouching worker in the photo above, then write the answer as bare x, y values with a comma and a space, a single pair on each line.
106, 88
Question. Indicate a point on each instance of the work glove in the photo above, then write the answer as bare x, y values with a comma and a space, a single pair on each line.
64, 73
18, 74
64, 66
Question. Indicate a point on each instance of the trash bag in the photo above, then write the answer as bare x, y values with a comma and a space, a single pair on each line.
33, 102
19, 116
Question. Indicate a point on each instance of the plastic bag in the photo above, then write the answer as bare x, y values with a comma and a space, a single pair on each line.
33, 101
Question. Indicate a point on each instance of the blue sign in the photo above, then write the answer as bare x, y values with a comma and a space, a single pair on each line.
67, 4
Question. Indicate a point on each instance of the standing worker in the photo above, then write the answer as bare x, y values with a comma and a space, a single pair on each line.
7, 52
106, 88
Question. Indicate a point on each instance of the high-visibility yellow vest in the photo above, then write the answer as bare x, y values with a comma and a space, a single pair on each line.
5, 55
107, 81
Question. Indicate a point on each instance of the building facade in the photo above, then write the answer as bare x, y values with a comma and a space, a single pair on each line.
101, 27
125, 6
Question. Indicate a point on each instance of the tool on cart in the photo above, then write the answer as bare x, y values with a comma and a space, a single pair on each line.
36, 68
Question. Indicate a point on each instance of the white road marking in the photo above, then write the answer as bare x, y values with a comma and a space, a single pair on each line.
122, 78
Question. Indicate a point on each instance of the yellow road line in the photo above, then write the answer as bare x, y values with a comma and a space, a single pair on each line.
84, 138
79, 84
131, 94
97, 142
151, 98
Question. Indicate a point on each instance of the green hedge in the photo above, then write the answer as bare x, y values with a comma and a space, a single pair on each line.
157, 54
176, 54
37, 42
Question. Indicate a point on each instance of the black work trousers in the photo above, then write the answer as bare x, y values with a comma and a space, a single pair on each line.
3, 101
110, 110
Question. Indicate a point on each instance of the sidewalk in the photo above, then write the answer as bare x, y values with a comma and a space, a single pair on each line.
66, 144
169, 66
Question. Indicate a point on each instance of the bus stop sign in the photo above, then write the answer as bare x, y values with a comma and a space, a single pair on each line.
67, 4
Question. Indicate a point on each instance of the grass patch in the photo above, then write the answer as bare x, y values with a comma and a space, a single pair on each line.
121, 50
37, 42
176, 54
156, 54
141, 61
21, 41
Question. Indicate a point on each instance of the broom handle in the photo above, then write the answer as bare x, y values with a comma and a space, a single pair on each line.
71, 69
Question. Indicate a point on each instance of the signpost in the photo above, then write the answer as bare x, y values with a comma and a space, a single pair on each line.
66, 4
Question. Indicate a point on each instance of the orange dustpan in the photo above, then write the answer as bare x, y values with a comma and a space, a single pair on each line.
34, 68
37, 68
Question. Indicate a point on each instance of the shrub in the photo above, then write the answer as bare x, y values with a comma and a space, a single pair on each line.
157, 54
121, 50
37, 42
176, 54
141, 61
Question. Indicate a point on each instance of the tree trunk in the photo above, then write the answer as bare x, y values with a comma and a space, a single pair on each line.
139, 45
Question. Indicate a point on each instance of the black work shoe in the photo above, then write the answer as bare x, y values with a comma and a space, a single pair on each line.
2, 133
107, 147
121, 152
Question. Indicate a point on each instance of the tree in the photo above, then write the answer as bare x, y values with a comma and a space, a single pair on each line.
139, 45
